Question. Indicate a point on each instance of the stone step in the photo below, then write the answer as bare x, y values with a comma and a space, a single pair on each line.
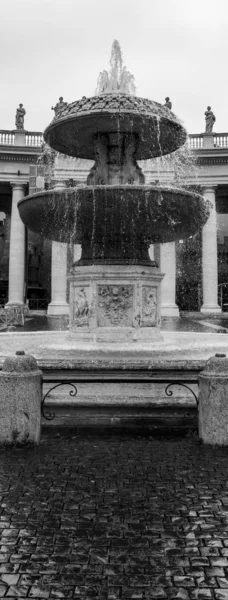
122, 404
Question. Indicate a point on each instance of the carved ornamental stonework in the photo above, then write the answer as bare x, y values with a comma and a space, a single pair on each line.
115, 305
80, 308
115, 162
149, 306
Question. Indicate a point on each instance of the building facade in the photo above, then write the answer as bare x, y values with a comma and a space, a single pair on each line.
34, 270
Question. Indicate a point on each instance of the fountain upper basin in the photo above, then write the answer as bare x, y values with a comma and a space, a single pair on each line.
157, 129
124, 218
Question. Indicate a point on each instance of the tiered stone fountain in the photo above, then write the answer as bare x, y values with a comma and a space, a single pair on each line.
115, 287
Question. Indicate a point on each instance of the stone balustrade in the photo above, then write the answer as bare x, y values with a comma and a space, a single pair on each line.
220, 140
7, 138
32, 138
35, 139
196, 141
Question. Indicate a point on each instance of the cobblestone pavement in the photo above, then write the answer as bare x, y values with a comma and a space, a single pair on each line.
114, 517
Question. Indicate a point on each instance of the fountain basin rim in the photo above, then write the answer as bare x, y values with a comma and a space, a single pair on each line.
147, 106
109, 111
155, 188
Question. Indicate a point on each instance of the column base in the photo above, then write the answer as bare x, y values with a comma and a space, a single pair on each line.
210, 308
58, 308
18, 305
170, 310
15, 303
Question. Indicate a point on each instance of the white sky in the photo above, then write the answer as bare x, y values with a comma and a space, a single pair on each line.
176, 48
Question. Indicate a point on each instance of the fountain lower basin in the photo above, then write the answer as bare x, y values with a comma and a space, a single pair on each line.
115, 222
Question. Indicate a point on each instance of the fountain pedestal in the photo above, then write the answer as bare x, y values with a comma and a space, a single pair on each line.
115, 303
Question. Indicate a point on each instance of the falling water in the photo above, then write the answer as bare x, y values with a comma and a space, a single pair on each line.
46, 160
93, 225
178, 169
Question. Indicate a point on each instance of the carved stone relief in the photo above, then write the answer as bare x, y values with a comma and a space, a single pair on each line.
149, 306
80, 308
115, 162
115, 305
98, 175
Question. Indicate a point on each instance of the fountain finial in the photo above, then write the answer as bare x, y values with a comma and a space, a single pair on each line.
119, 79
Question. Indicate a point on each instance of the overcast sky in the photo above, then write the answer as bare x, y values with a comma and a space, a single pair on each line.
176, 48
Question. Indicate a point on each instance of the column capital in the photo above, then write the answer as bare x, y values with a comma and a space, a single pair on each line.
18, 185
209, 188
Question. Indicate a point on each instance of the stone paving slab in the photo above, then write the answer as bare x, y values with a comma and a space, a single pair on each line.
114, 517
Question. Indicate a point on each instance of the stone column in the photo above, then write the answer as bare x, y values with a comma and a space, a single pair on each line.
58, 305
17, 249
209, 258
168, 284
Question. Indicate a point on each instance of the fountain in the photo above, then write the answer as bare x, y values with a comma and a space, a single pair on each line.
115, 286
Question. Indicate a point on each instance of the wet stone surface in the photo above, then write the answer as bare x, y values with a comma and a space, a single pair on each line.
114, 517
41, 322
38, 322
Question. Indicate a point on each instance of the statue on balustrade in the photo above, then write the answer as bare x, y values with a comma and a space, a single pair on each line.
20, 115
210, 120
59, 105
168, 103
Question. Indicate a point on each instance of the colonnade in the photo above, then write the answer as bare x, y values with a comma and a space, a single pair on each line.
167, 261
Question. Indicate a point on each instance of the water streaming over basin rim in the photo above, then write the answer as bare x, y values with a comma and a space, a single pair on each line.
123, 215
157, 129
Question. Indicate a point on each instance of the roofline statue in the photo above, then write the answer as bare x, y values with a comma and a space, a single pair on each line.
19, 118
209, 120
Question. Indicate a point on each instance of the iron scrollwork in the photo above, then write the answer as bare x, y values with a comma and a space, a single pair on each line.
169, 392
49, 416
